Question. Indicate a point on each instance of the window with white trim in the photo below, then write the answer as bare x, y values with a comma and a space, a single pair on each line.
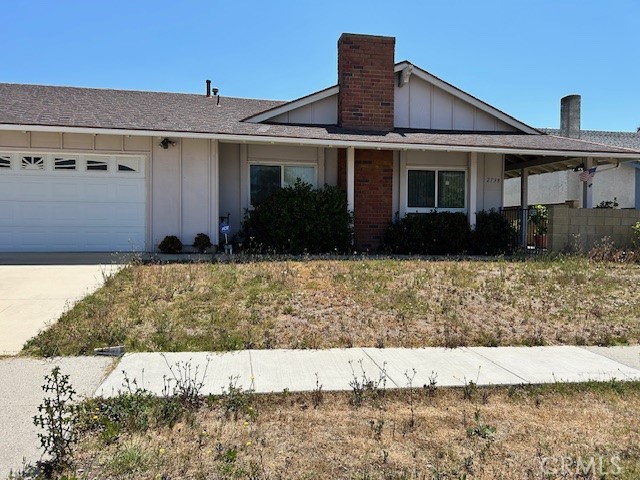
429, 189
5, 161
265, 180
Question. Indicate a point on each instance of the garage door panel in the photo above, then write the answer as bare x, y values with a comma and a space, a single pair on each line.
30, 213
7, 189
34, 191
66, 192
58, 211
129, 193
7, 211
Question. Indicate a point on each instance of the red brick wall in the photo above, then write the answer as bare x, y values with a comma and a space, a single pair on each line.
366, 80
372, 196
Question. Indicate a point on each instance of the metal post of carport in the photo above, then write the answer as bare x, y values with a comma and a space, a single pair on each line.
524, 207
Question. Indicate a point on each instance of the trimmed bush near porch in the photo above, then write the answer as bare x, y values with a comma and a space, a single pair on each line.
300, 219
446, 233
435, 233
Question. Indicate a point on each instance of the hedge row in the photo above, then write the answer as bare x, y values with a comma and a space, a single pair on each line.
301, 219
445, 233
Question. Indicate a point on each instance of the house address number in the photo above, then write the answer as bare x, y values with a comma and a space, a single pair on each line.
493, 179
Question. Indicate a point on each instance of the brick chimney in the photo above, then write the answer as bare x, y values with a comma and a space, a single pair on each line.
366, 81
570, 116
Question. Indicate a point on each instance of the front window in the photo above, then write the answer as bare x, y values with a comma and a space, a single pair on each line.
265, 180
451, 189
436, 189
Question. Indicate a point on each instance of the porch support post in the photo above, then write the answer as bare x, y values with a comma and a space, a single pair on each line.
637, 187
524, 204
215, 192
473, 188
587, 189
351, 166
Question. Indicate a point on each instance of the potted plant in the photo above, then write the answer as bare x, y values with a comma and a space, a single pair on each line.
538, 216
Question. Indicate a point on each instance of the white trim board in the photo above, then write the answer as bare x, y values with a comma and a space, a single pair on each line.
259, 139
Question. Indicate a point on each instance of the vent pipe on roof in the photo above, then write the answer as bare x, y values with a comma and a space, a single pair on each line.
570, 116
208, 88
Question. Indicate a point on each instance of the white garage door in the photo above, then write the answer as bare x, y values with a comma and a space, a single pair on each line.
66, 203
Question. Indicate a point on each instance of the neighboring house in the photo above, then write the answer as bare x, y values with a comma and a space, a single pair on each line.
102, 170
619, 181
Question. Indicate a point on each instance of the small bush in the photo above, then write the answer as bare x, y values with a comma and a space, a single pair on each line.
170, 244
434, 233
494, 234
57, 417
300, 219
636, 234
202, 242
608, 203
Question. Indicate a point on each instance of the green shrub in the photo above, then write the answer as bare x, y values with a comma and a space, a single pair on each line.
170, 244
434, 233
300, 219
636, 234
538, 217
202, 242
494, 234
57, 417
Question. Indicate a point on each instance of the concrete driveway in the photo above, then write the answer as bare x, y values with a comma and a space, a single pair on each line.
35, 289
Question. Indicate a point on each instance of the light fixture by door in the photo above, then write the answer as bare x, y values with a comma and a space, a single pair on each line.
166, 143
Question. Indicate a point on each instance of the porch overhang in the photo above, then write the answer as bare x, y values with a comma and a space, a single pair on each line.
514, 164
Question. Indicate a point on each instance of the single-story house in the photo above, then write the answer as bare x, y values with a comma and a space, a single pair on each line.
555, 184
86, 169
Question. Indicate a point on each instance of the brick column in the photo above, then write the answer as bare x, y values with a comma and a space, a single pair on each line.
373, 197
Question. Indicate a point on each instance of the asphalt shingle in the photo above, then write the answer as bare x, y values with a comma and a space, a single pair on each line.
36, 105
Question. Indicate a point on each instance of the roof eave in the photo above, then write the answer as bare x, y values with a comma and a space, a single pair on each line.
306, 141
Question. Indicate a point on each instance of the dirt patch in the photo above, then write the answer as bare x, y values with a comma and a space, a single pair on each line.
507, 433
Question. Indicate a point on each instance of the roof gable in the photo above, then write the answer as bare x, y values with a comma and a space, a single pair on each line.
425, 101
319, 108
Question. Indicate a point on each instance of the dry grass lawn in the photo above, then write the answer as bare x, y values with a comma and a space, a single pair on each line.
360, 302
561, 431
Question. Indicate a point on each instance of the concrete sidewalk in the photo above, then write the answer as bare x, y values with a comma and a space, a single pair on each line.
275, 370
21, 393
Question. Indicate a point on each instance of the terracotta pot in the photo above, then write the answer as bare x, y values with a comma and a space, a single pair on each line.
540, 240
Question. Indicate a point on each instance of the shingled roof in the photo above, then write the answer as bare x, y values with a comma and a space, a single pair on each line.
105, 109
617, 139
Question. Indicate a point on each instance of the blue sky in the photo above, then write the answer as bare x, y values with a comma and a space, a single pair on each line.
520, 56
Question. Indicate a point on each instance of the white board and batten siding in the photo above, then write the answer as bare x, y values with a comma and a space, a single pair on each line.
418, 104
421, 105
185, 190
321, 112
